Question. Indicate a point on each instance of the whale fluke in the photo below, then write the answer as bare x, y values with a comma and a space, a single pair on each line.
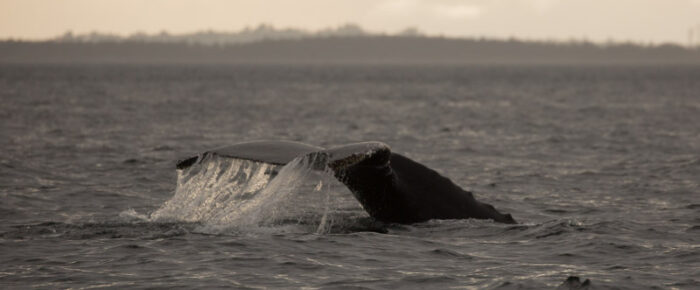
391, 187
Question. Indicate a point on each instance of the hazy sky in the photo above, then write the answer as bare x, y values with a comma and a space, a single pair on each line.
637, 20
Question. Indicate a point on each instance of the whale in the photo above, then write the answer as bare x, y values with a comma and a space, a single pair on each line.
391, 187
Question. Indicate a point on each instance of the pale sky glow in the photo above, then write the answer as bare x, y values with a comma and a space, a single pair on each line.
598, 20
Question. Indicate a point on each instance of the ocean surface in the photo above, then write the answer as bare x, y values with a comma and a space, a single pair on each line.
600, 165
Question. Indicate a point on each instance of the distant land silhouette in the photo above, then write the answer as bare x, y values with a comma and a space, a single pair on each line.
247, 35
347, 44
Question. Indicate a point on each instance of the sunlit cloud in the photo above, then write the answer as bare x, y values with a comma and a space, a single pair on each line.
429, 9
458, 11
543, 6
398, 6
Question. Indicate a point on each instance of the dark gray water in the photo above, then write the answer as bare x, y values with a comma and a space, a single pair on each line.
600, 165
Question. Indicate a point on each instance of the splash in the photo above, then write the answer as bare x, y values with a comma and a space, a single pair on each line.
225, 193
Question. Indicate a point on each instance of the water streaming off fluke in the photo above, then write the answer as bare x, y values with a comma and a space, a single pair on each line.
223, 193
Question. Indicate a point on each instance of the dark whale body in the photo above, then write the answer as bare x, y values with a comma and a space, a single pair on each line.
390, 186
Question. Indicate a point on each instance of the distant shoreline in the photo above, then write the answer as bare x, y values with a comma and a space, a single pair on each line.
348, 50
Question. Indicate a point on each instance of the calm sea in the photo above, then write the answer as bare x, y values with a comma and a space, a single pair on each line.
600, 165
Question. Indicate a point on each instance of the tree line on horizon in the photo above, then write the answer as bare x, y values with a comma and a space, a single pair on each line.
267, 32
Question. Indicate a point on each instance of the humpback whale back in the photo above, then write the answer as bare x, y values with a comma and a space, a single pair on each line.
390, 186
